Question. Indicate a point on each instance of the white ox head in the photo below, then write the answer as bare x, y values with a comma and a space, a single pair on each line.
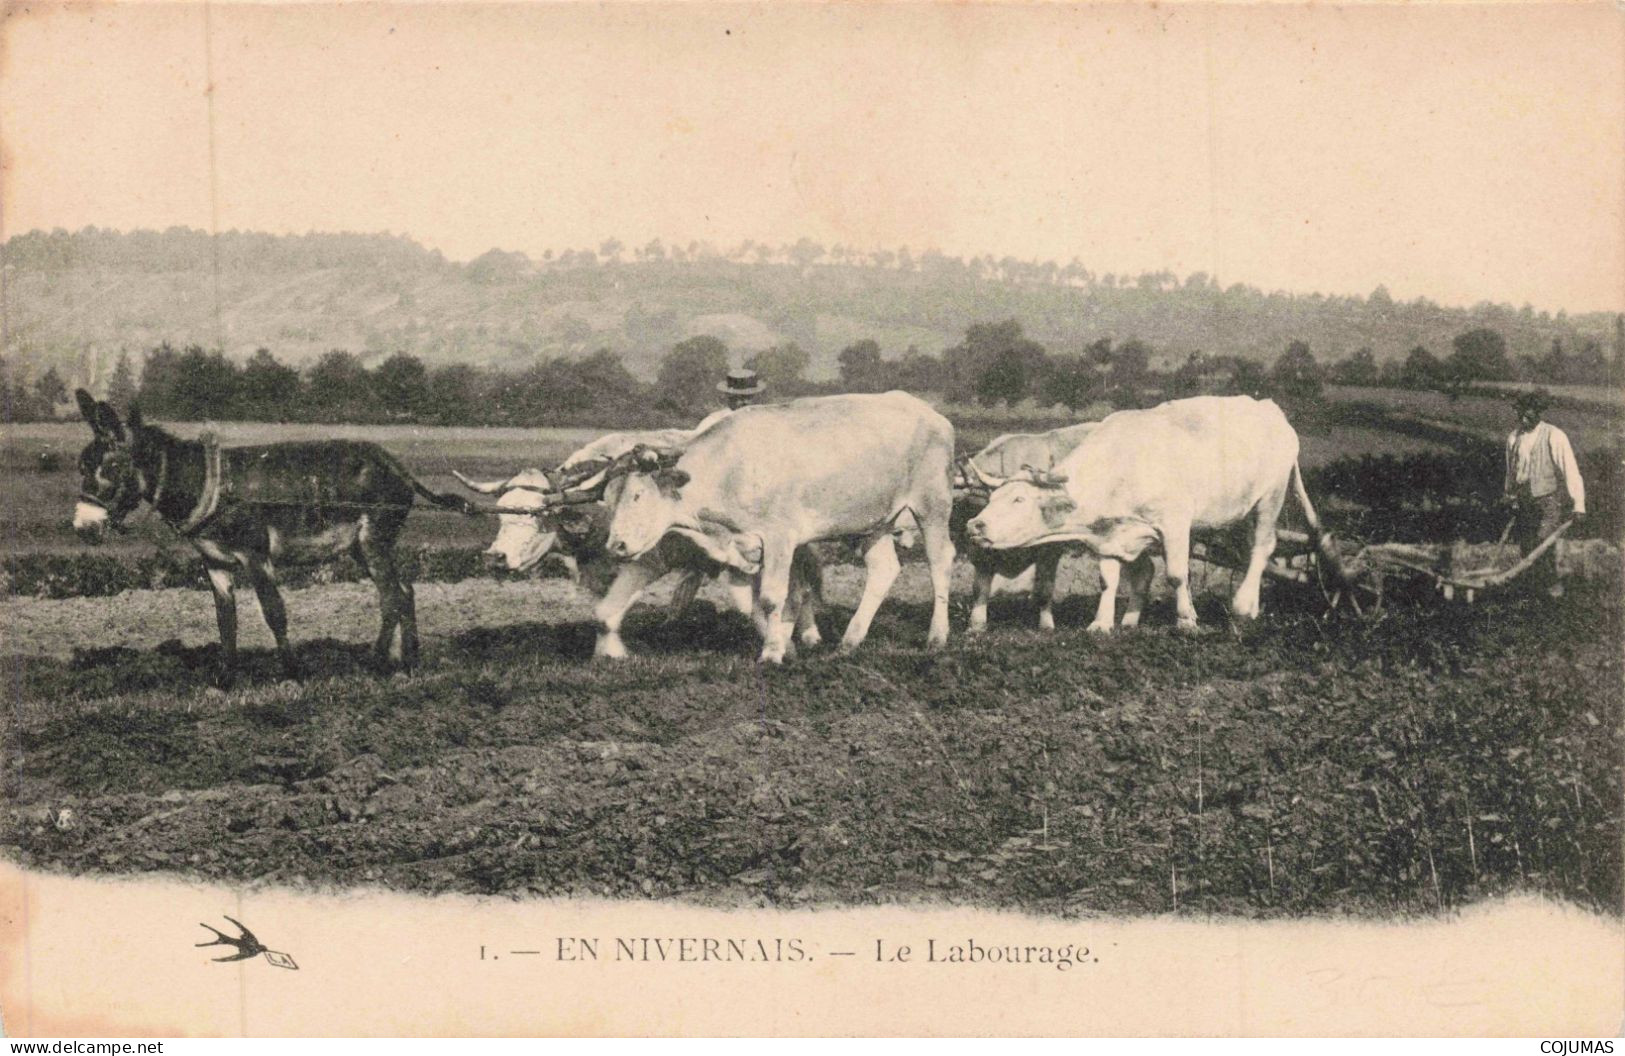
1022, 511
530, 527
644, 496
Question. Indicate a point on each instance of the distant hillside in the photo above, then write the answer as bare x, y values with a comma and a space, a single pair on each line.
74, 300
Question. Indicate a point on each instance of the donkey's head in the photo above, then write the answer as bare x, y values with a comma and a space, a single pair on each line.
111, 482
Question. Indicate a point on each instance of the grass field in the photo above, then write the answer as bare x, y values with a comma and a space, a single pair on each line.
1590, 425
1414, 763
1607, 397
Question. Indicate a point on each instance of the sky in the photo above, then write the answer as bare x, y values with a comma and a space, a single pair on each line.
1458, 152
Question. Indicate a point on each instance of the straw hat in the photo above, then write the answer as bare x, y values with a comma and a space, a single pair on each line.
740, 383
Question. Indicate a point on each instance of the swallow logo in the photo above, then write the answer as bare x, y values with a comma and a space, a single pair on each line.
247, 946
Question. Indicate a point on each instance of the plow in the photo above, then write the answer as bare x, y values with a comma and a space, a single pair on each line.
1368, 572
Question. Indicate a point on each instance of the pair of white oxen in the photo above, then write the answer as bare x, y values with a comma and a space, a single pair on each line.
742, 499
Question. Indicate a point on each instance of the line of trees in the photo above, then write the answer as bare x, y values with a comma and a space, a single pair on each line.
993, 364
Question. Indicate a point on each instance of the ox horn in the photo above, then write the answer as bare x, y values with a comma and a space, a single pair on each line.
492, 487
987, 480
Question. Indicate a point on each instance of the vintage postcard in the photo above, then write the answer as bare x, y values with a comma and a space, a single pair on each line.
811, 519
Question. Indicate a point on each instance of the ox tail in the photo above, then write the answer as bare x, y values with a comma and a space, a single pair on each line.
1325, 546
445, 502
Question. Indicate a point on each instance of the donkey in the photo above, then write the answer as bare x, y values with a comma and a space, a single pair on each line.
245, 508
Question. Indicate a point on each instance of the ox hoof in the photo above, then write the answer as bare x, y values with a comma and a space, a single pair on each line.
1046, 622
1187, 627
612, 649
848, 646
811, 638
1099, 628
769, 657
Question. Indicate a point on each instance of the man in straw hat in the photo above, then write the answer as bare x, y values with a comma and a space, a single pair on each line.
740, 389
1539, 459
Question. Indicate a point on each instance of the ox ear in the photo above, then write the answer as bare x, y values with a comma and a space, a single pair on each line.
671, 481
1055, 508
87, 406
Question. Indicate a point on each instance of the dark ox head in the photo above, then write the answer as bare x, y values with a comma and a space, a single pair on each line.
111, 480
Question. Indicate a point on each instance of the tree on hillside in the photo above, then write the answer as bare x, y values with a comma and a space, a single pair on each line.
1360, 368
268, 391
1590, 366
861, 367
1069, 381
401, 385
1247, 378
804, 253
121, 387
606, 377
1187, 379
159, 378
50, 390
495, 266
1479, 355
1553, 367
1296, 375
782, 367
918, 372
994, 361
340, 390
454, 396
17, 403
202, 386
1422, 369
1013, 372
1130, 371
689, 374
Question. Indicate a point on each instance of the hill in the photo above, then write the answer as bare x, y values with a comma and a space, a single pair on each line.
74, 300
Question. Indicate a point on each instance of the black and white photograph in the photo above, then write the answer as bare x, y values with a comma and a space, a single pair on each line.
811, 519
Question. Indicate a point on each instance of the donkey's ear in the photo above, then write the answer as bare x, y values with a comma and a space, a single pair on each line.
133, 419
671, 480
106, 421
87, 406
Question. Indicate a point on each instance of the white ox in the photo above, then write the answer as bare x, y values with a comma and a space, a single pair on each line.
532, 529
1006, 457
768, 480
1147, 478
